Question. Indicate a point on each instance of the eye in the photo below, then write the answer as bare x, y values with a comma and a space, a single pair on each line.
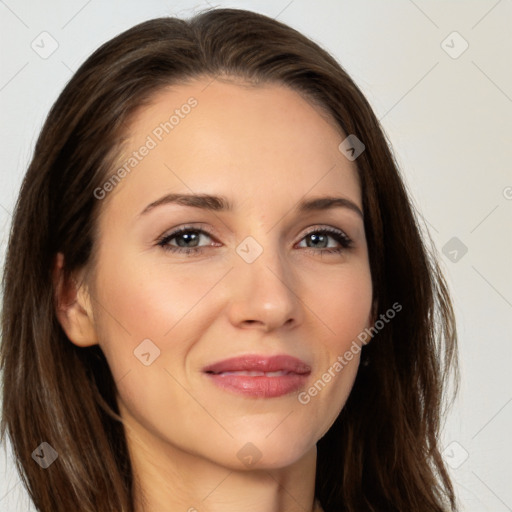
186, 240
320, 240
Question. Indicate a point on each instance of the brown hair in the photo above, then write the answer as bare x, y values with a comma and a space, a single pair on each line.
382, 452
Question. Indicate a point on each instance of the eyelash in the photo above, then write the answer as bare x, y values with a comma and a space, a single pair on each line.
338, 235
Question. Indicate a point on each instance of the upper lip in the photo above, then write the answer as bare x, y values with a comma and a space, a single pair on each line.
260, 363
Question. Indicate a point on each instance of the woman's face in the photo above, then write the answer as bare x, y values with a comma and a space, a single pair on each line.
265, 277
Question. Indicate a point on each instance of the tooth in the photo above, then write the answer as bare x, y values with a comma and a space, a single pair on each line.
255, 373
245, 373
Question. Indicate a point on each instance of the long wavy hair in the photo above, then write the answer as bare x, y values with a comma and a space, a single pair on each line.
382, 453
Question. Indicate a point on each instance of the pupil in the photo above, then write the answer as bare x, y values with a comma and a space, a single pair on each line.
188, 237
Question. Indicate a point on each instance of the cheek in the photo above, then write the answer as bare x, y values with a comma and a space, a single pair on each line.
148, 321
344, 304
142, 302
128, 310
148, 300
344, 308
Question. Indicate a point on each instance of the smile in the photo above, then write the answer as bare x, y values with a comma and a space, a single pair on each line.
259, 376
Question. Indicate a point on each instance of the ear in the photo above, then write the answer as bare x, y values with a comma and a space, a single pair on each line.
73, 306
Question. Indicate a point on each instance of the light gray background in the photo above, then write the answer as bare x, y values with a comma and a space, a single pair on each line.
449, 120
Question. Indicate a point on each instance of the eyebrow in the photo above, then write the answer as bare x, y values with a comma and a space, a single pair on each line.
221, 203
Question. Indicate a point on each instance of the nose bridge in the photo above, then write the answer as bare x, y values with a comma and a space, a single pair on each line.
262, 285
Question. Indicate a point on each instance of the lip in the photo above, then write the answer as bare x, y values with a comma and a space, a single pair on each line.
258, 375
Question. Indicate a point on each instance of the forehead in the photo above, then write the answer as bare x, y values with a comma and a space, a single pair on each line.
214, 137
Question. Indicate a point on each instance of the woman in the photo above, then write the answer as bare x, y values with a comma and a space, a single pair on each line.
216, 295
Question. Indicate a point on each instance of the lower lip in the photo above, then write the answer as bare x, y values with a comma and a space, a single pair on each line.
260, 386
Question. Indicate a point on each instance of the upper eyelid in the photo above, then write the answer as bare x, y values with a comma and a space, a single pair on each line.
178, 231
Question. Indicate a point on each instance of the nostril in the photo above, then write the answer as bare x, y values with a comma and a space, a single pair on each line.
250, 322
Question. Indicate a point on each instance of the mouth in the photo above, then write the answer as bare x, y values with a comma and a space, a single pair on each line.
259, 376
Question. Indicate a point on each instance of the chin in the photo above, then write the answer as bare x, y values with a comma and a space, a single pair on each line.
272, 452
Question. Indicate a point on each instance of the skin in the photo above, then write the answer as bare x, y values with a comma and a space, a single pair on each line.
265, 148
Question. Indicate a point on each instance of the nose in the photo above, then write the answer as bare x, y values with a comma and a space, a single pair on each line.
263, 294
